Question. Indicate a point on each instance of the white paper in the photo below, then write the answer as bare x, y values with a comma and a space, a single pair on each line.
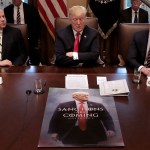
76, 81
101, 79
114, 88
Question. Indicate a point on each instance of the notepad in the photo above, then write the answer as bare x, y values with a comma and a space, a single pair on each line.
76, 81
114, 88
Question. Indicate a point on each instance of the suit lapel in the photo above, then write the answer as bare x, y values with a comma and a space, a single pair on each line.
70, 36
140, 16
25, 13
11, 20
84, 38
130, 15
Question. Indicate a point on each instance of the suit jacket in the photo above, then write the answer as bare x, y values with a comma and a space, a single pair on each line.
13, 47
137, 50
64, 120
126, 16
32, 19
88, 47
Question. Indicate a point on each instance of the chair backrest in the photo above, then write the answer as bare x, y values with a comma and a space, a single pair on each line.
63, 22
24, 31
126, 31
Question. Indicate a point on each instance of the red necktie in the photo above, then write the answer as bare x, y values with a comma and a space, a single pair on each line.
76, 43
82, 117
18, 16
148, 59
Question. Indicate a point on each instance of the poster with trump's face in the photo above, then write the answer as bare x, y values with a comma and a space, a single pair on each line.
80, 118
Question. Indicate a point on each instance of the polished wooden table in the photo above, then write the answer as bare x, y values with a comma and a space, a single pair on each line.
54, 69
21, 115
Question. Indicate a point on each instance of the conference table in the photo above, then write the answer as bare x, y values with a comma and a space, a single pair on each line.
21, 114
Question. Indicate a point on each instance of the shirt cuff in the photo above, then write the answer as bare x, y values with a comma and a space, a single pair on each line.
75, 56
140, 68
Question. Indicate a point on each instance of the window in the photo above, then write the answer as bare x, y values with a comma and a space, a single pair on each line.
128, 3
26, 1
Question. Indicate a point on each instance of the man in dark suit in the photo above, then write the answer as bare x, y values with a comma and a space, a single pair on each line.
138, 51
88, 48
129, 15
29, 15
67, 127
12, 47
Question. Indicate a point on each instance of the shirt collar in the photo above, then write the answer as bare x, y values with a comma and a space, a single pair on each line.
21, 6
133, 11
75, 32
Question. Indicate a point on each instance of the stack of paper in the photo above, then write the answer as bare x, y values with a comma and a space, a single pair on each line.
76, 81
114, 88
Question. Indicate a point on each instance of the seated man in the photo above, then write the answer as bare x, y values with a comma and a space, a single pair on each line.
134, 14
77, 44
139, 52
12, 47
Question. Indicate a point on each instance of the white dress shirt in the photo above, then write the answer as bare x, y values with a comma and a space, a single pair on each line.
133, 15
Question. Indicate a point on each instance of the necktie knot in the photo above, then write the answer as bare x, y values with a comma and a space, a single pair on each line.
78, 33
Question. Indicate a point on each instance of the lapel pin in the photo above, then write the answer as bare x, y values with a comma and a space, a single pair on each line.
84, 36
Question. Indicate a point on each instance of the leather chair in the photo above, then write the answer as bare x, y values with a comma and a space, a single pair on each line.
63, 22
126, 31
24, 31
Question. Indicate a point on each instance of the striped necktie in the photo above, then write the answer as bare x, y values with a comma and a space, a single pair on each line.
18, 20
0, 45
148, 59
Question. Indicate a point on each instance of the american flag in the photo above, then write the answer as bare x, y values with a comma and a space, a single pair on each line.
51, 9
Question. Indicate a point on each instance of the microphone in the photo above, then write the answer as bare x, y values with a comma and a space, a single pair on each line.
147, 2
28, 92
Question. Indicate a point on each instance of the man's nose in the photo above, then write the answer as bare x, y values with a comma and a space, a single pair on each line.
78, 21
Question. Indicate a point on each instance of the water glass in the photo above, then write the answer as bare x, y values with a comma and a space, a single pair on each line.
136, 76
